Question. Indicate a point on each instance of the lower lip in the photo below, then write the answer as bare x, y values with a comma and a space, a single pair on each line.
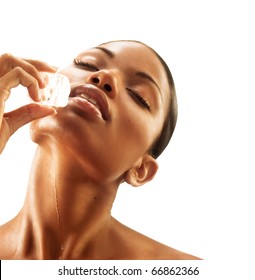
87, 107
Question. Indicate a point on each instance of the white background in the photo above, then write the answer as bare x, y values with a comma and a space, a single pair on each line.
201, 200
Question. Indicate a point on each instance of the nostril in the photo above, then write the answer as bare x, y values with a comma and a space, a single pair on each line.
95, 80
107, 87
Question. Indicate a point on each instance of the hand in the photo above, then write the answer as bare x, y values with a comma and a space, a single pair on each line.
15, 71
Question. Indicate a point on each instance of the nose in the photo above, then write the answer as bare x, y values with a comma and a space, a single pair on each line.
105, 80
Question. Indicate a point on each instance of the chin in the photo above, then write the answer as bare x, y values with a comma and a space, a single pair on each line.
39, 129
62, 129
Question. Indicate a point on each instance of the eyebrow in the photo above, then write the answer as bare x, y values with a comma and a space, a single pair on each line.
139, 73
106, 51
148, 77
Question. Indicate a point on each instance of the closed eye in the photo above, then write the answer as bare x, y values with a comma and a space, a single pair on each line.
139, 99
85, 64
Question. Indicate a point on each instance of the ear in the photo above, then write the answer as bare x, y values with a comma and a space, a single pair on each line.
143, 172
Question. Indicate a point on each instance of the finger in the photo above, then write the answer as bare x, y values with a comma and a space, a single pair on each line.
42, 66
9, 62
4, 94
19, 76
26, 114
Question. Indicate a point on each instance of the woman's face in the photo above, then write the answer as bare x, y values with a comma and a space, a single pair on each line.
116, 109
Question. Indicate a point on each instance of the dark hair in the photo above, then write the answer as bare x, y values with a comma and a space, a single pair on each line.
169, 124
171, 117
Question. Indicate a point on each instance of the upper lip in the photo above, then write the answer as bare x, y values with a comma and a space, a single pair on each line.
95, 95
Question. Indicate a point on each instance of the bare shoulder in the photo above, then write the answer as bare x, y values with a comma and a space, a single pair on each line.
134, 245
5, 242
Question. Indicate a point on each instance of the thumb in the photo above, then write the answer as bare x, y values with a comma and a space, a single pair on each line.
26, 114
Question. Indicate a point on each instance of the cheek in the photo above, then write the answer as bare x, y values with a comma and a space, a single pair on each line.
135, 131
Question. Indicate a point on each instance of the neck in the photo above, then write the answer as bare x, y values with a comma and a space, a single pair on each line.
65, 207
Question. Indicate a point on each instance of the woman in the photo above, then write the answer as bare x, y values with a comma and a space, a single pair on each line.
120, 116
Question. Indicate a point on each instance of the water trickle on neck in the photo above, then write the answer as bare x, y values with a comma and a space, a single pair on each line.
61, 235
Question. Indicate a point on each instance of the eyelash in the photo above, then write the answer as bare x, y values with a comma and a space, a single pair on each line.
86, 64
141, 100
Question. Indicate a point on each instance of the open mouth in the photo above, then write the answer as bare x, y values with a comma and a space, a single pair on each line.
88, 93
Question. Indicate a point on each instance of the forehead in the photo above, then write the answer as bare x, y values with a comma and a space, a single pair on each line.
132, 50
137, 55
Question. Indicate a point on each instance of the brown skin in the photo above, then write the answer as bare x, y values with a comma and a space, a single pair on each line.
82, 159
